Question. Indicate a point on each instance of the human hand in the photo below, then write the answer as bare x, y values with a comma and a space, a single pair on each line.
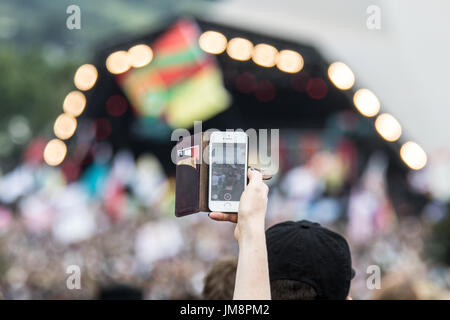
252, 208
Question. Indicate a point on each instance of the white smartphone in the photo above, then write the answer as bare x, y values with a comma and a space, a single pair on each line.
227, 170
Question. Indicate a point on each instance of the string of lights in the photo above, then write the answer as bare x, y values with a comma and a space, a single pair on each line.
240, 49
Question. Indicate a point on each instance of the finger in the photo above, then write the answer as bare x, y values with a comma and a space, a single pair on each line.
254, 176
267, 176
220, 216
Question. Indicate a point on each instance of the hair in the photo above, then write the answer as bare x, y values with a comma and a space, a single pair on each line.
292, 290
219, 282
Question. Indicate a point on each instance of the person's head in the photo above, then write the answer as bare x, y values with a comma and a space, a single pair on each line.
308, 262
219, 282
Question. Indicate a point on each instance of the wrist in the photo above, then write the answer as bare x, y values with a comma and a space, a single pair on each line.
254, 231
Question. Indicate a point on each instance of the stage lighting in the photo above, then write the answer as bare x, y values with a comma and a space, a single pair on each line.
118, 62
240, 49
289, 61
55, 151
388, 127
366, 102
85, 77
74, 103
116, 105
65, 126
341, 75
140, 55
413, 155
316, 88
213, 42
265, 55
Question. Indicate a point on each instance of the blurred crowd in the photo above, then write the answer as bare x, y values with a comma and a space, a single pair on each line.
117, 224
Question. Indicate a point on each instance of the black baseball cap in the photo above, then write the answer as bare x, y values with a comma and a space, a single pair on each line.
307, 252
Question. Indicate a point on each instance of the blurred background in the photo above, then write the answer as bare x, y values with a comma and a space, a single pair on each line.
358, 91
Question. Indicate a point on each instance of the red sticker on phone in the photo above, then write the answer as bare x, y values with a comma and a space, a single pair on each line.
195, 152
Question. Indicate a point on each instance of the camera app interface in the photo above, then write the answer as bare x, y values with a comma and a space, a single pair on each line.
228, 176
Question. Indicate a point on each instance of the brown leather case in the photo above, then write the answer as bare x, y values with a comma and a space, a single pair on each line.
192, 171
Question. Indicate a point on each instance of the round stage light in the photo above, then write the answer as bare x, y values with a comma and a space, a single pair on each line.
366, 102
118, 62
116, 105
341, 75
55, 151
140, 55
413, 155
289, 61
265, 55
388, 127
240, 49
74, 103
85, 77
213, 42
65, 126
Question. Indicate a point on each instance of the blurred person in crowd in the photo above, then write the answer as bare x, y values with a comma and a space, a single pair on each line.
252, 272
219, 282
407, 286
396, 287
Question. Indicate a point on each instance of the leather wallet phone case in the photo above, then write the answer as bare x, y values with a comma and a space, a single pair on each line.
191, 186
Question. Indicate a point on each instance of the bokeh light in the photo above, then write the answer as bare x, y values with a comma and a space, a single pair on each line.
265, 55
71, 170
366, 102
85, 77
74, 103
388, 127
213, 42
55, 151
140, 55
6, 144
19, 129
289, 61
65, 126
116, 105
316, 88
118, 62
341, 75
240, 49
413, 155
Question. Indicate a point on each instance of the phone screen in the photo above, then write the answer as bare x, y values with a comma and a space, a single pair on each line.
228, 176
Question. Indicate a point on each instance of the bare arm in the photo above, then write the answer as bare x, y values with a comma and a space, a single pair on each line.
252, 275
